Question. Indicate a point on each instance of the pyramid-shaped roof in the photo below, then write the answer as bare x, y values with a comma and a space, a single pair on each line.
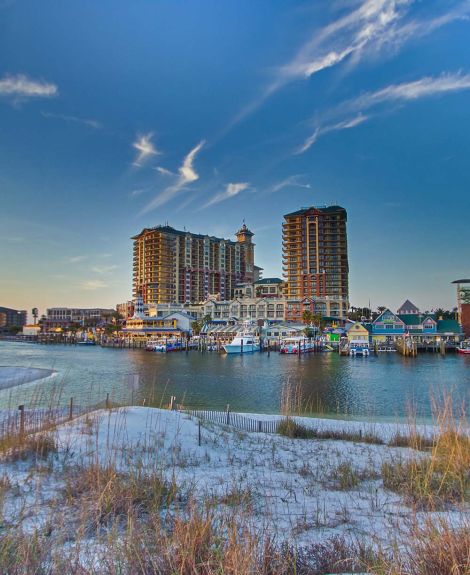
408, 308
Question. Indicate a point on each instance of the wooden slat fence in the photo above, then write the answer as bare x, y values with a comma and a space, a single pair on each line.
235, 420
22, 421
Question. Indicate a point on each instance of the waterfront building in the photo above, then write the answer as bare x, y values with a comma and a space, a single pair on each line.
65, 317
242, 309
12, 318
387, 327
315, 261
174, 266
357, 333
32, 329
143, 326
423, 328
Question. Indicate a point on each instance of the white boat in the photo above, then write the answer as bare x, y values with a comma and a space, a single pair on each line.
359, 348
244, 342
296, 345
155, 345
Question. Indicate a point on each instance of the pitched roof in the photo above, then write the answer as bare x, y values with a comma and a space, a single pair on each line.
408, 306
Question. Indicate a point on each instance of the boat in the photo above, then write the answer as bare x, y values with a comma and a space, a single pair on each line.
87, 342
359, 349
164, 346
296, 345
244, 342
464, 347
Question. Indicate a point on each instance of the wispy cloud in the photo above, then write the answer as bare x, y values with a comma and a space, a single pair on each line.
76, 259
138, 192
422, 88
380, 101
373, 28
289, 182
74, 119
231, 190
186, 175
145, 149
103, 270
163, 171
93, 285
323, 130
21, 87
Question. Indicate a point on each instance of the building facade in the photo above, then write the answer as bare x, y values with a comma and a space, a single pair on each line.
315, 261
12, 318
254, 309
174, 266
64, 317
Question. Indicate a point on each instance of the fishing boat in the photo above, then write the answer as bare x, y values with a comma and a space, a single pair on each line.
464, 347
244, 342
296, 345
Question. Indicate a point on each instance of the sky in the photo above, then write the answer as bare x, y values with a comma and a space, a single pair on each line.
119, 115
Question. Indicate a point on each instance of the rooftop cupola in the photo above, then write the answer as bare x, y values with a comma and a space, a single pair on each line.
244, 234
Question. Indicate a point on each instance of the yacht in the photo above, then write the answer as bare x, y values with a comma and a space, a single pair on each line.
244, 342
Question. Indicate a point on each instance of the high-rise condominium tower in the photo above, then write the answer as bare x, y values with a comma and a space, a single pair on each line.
174, 266
315, 261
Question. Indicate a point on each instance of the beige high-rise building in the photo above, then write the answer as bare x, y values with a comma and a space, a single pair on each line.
315, 261
174, 266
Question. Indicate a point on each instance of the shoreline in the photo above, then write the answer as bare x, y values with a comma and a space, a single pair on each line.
12, 376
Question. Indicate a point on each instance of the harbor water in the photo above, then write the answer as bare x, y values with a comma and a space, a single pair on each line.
383, 387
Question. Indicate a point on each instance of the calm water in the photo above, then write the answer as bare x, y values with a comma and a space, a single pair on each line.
387, 386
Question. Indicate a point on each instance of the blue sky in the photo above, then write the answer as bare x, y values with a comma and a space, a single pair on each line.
116, 115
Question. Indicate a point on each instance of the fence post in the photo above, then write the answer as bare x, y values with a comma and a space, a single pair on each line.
71, 409
259, 426
228, 413
199, 432
21, 410
107, 400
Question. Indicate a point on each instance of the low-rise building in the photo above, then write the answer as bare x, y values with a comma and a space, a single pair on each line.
329, 306
357, 333
65, 317
388, 327
255, 309
31, 330
140, 325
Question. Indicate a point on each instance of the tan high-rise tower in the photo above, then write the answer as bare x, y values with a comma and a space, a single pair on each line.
174, 266
315, 261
